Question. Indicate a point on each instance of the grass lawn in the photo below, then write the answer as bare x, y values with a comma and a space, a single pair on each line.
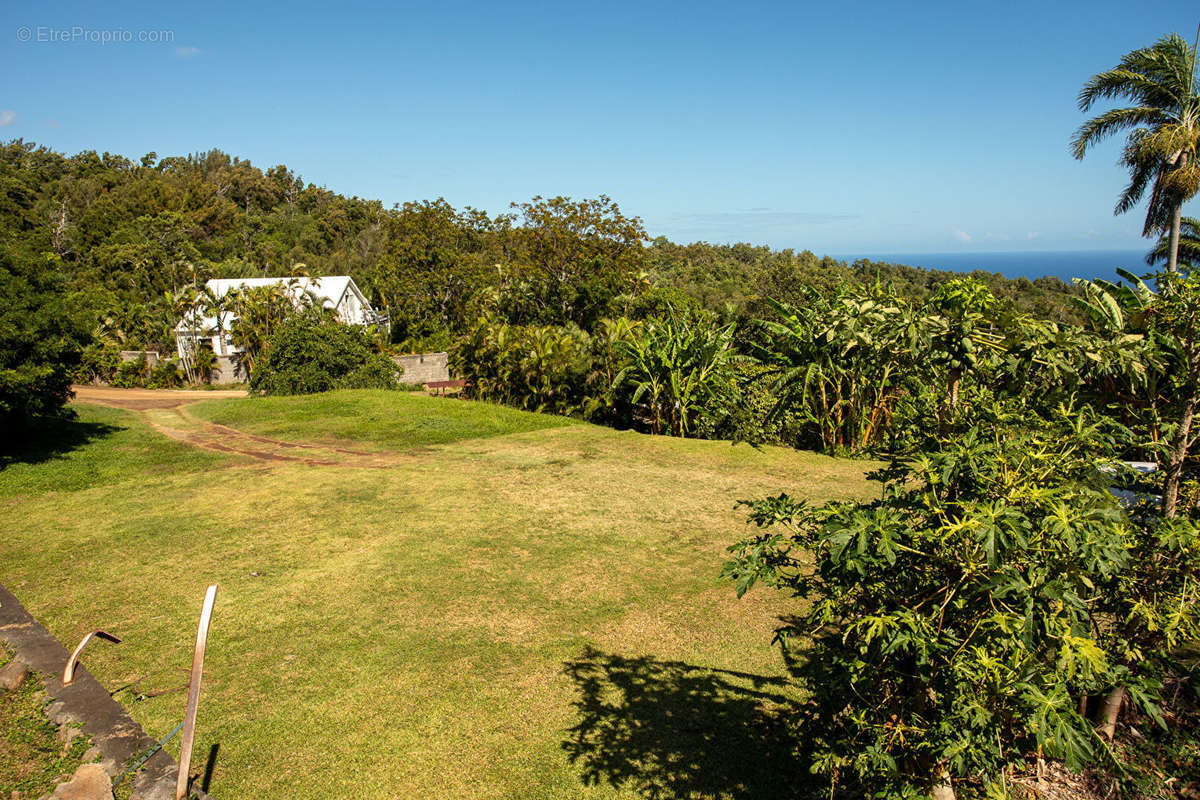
523, 607
377, 419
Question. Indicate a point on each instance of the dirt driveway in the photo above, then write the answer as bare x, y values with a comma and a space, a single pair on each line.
142, 399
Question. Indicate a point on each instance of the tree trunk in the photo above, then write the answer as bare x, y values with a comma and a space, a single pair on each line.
1177, 456
942, 790
1173, 242
1110, 711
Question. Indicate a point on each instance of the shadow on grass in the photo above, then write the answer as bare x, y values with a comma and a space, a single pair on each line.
44, 439
670, 730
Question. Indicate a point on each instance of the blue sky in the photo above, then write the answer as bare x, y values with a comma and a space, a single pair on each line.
839, 127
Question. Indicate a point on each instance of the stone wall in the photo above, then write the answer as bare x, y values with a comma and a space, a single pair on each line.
424, 367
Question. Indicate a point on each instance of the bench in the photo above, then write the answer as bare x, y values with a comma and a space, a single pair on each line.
441, 387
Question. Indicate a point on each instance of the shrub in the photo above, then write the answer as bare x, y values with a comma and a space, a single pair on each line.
165, 375
747, 413
678, 370
307, 355
97, 364
961, 622
546, 368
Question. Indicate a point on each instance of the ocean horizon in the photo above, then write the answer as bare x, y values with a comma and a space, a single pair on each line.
1031, 264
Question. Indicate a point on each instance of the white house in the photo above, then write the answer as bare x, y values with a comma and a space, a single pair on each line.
198, 329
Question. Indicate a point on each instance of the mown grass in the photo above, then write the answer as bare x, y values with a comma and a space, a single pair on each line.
100, 447
527, 614
379, 419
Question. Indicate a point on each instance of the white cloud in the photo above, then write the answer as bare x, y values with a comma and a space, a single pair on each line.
962, 236
7, 116
187, 52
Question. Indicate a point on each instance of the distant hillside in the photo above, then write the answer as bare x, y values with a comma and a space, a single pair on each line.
126, 232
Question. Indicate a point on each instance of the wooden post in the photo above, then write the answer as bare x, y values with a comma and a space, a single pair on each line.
189, 719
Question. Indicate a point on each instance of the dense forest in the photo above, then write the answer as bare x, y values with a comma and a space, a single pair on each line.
126, 234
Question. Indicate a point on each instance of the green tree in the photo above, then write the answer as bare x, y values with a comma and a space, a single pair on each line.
432, 265
1168, 321
844, 362
41, 340
1161, 147
956, 625
962, 332
308, 354
574, 256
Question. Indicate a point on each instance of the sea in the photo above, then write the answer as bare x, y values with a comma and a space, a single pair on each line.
1064, 264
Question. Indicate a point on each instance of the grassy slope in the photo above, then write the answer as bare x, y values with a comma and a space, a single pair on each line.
101, 447
406, 632
381, 419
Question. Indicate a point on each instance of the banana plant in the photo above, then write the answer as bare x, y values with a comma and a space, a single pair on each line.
676, 366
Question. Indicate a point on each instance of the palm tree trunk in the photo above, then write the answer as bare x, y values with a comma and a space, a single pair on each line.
1173, 242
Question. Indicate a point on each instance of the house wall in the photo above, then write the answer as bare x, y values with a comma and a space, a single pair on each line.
350, 310
424, 367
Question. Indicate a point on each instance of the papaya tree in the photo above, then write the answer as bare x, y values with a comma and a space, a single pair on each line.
956, 626
1167, 319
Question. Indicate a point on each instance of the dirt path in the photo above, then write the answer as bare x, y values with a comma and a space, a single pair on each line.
165, 411
142, 399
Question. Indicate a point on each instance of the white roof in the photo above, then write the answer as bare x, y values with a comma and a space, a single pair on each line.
329, 290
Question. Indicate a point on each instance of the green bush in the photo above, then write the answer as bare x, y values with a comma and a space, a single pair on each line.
964, 621
546, 368
747, 413
41, 340
98, 363
131, 373
165, 375
307, 355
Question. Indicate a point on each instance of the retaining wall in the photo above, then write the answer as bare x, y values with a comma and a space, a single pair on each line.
424, 367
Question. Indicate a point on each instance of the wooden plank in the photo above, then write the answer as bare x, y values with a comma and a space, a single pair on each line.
189, 719
68, 675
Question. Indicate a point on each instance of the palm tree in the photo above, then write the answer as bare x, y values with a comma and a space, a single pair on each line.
218, 305
1189, 244
1164, 131
182, 305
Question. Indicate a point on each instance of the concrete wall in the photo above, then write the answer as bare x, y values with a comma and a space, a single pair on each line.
134, 355
226, 371
424, 367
